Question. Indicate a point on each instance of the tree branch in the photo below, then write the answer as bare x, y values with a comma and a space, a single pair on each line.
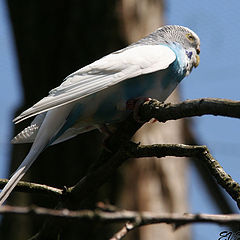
133, 150
142, 218
29, 187
200, 152
189, 108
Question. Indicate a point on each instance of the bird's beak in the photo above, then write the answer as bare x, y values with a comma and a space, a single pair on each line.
198, 50
196, 63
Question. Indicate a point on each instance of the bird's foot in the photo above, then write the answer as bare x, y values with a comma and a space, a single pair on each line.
134, 105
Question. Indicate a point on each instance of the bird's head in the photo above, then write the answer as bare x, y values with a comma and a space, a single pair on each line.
174, 35
191, 42
186, 38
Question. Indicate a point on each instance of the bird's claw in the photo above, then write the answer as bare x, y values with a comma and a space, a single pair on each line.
134, 105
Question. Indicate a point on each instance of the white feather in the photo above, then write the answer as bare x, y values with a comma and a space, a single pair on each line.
105, 72
28, 134
53, 121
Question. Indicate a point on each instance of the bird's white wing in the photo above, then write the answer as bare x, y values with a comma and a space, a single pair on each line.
103, 73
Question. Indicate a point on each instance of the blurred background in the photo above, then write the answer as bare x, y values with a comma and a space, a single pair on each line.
41, 43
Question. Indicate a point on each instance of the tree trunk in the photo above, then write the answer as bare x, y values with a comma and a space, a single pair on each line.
154, 184
54, 39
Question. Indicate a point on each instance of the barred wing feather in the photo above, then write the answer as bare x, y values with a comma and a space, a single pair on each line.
103, 73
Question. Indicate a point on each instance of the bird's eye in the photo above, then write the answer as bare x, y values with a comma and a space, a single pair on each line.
190, 37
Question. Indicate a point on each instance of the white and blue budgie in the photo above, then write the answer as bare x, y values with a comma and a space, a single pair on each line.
98, 93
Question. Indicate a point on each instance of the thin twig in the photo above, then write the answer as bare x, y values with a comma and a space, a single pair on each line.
129, 226
141, 218
29, 187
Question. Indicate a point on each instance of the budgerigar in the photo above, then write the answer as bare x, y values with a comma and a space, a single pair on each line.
97, 94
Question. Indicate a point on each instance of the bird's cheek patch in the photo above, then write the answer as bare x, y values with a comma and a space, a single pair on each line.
189, 54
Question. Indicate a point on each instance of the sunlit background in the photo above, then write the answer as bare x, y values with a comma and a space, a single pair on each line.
217, 22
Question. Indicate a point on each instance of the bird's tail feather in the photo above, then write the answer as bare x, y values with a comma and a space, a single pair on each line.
18, 174
52, 123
